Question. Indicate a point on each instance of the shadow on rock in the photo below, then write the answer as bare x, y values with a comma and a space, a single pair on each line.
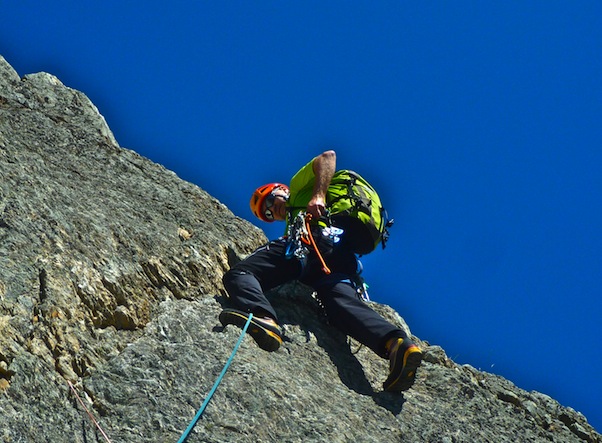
306, 314
350, 370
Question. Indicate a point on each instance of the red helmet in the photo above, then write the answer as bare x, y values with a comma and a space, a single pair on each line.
259, 197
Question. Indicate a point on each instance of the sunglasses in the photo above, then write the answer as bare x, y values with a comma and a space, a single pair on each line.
269, 203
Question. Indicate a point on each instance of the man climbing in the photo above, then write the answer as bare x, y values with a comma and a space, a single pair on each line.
331, 216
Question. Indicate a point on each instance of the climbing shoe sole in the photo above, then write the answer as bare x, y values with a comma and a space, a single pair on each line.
403, 369
267, 337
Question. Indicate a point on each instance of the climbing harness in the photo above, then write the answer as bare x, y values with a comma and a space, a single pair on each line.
88, 412
300, 239
216, 384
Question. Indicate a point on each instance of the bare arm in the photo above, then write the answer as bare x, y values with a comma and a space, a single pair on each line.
324, 166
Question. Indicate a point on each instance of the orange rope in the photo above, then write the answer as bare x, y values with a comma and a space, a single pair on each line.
89, 414
325, 268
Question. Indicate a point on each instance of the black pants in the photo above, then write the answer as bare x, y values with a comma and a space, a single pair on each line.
269, 267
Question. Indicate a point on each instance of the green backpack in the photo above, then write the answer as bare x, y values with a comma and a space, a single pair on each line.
355, 206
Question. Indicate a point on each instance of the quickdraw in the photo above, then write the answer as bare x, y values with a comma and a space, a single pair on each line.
300, 238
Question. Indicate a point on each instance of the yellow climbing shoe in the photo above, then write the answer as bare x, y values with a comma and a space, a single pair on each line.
404, 359
268, 336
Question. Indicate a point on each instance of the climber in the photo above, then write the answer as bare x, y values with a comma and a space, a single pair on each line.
330, 218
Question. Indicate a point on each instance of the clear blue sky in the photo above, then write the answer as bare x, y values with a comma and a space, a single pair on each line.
479, 123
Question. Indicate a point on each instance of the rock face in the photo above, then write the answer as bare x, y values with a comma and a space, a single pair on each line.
110, 279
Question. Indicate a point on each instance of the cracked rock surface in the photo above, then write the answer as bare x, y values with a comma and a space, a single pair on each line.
110, 279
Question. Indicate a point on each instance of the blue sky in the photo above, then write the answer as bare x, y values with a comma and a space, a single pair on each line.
479, 124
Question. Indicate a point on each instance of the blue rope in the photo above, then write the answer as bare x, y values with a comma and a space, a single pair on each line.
217, 382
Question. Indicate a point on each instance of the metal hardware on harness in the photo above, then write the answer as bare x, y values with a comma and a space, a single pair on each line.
298, 237
360, 284
362, 289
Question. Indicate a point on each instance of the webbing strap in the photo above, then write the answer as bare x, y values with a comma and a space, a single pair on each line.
216, 384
